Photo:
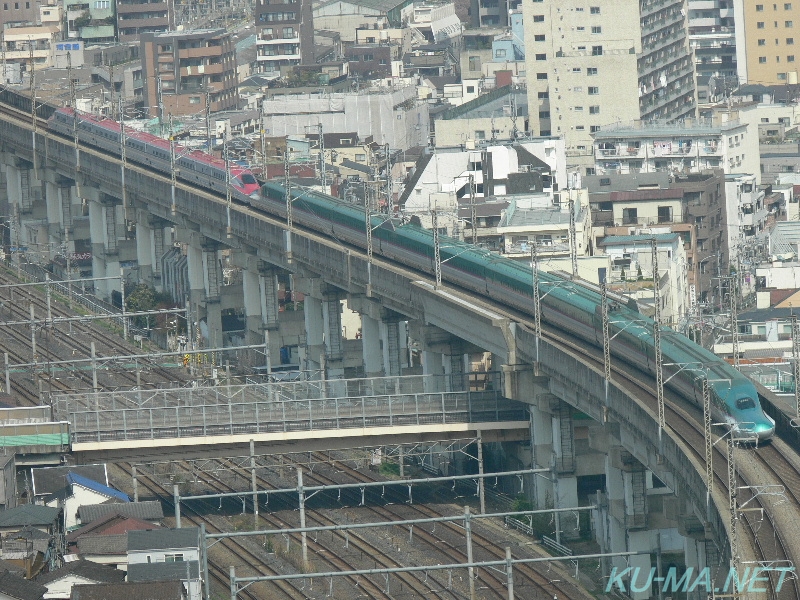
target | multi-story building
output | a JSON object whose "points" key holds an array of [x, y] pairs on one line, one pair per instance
{"points": [[692, 206], [18, 12], [90, 21], [765, 41], [185, 71], [137, 17], [587, 64], [687, 147], [491, 13], [285, 32], [713, 39], [20, 44]]}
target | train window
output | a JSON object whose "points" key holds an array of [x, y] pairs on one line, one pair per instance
{"points": [[745, 403], [247, 178]]}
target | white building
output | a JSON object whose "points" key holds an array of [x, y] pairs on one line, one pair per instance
{"points": [[394, 116], [688, 147], [632, 271], [159, 554], [81, 491]]}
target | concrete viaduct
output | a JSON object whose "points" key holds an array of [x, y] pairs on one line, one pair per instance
{"points": [[654, 498]]}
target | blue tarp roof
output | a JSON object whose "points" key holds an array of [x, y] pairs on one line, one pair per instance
{"points": [[74, 478]]}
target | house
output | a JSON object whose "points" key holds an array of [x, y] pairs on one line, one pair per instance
{"points": [[14, 587], [151, 590], [153, 554], [43, 518], [81, 491], [49, 480], [109, 524], [111, 550], [151, 511], [60, 581]]}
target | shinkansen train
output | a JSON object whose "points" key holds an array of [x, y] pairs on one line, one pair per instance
{"points": [[194, 166], [569, 305]]}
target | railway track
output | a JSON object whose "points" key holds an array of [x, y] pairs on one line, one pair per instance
{"points": [[239, 554], [590, 355]]}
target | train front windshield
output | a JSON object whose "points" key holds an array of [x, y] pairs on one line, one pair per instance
{"points": [[247, 179]]}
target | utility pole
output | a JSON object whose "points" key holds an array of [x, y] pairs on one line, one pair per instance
{"points": [[657, 338], [606, 335], [437, 256], [709, 443], [732, 505], [73, 102], [160, 103], [573, 250], [208, 121], [228, 197], [287, 185], [122, 144], [473, 213], [796, 363], [537, 306], [111, 77], [388, 180], [322, 175], [734, 290], [34, 121], [172, 167], [263, 134]]}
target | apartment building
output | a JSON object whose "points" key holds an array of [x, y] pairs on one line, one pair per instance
{"points": [[712, 36], [137, 17], [687, 147], [765, 41], [18, 12], [586, 65], [285, 30], [90, 21], [182, 71]]}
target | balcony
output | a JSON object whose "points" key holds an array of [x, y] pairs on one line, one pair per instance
{"points": [[203, 52], [269, 38]]}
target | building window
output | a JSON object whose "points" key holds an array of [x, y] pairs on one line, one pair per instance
{"points": [[361, 158], [597, 29], [760, 25], [787, 6], [480, 134], [594, 128], [538, 18], [790, 58], [470, 89], [173, 558], [194, 99], [580, 128], [576, 69], [591, 70], [541, 57], [577, 108], [629, 216], [541, 76], [544, 114], [665, 214], [597, 50], [543, 95], [539, 38], [474, 63], [762, 59], [782, 76], [593, 91], [789, 23], [594, 10], [368, 57], [762, 42], [500, 53], [759, 8], [789, 41], [594, 110]]}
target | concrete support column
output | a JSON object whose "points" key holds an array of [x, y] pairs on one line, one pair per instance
{"points": [[371, 346], [194, 268], [212, 280], [144, 248], [432, 365], [315, 326], [332, 322], [542, 448], [102, 232], [393, 346]]}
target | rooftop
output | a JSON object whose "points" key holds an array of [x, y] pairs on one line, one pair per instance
{"points": [[649, 129], [612, 240], [86, 569], [108, 524], [523, 217], [14, 586], [162, 571], [379, 5], [49, 480], [494, 103], [99, 544], [90, 484], [163, 539], [143, 590], [29, 514], [147, 511]]}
